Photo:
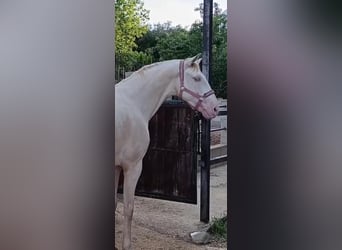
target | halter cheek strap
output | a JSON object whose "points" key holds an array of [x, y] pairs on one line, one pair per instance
{"points": [[199, 98]]}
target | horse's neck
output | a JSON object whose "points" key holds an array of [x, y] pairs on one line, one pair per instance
{"points": [[149, 88]]}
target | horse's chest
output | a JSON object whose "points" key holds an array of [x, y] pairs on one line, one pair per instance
{"points": [[131, 139]]}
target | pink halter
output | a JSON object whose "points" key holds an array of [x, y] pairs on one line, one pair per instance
{"points": [[189, 91]]}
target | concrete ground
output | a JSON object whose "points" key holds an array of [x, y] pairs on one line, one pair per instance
{"points": [[165, 225]]}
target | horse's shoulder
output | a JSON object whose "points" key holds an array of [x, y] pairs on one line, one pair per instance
{"points": [[127, 116]]}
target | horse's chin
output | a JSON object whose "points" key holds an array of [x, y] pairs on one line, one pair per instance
{"points": [[207, 111], [207, 116]]}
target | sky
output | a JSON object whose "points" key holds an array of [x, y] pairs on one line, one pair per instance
{"points": [[177, 11]]}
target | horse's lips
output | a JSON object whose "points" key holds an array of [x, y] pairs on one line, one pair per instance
{"points": [[208, 116]]}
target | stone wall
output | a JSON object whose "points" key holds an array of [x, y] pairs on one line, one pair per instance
{"points": [[215, 138]]}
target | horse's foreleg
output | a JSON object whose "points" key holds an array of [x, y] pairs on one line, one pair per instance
{"points": [[116, 176], [131, 176], [117, 172]]}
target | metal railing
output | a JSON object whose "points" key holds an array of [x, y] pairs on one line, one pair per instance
{"points": [[217, 159]]}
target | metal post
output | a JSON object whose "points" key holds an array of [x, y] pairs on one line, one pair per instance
{"points": [[205, 124]]}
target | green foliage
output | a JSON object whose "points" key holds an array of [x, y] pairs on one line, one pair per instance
{"points": [[219, 47], [165, 42], [219, 68], [130, 24], [138, 44], [217, 10], [195, 36], [218, 228], [175, 44]]}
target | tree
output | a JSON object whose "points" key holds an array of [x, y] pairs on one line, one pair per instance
{"points": [[148, 43], [130, 23], [217, 10], [219, 47], [174, 45], [165, 42]]}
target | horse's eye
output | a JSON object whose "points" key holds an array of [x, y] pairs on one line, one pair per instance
{"points": [[197, 78]]}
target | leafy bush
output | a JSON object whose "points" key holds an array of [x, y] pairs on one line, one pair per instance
{"points": [[218, 227]]}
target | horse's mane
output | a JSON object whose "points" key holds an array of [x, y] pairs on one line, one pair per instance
{"points": [[194, 66], [140, 71], [146, 68]]}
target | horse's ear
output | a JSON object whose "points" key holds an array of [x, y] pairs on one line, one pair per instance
{"points": [[196, 59]]}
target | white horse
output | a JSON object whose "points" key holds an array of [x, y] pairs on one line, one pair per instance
{"points": [[137, 99]]}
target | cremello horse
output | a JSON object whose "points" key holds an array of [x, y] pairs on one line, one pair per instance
{"points": [[137, 99]]}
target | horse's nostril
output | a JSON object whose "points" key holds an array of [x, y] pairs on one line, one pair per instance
{"points": [[215, 109]]}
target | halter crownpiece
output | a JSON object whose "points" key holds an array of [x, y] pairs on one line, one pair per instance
{"points": [[189, 91]]}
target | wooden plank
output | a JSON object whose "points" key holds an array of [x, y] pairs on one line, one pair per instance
{"points": [[169, 167]]}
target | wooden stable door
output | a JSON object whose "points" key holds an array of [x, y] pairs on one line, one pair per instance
{"points": [[170, 165]]}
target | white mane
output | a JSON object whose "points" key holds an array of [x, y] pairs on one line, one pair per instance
{"points": [[141, 72]]}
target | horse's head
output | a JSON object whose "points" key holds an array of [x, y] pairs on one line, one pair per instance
{"points": [[195, 89]]}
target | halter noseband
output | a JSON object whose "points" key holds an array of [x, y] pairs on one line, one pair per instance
{"points": [[189, 91]]}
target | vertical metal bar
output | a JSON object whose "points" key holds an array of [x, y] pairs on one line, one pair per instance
{"points": [[205, 124]]}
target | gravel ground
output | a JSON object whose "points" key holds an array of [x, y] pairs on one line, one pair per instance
{"points": [[165, 225]]}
